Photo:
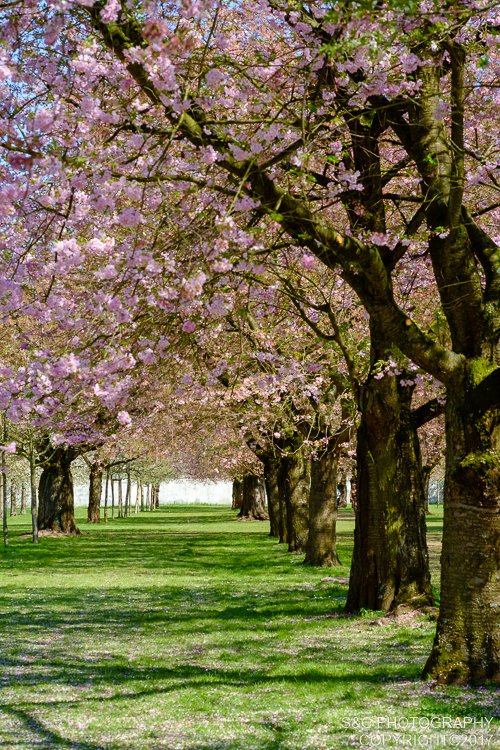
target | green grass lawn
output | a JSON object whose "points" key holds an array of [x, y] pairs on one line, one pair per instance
{"points": [[182, 628]]}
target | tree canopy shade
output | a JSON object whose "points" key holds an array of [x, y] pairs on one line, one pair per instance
{"points": [[361, 135]]}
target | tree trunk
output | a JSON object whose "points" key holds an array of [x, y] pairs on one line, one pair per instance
{"points": [[157, 496], [321, 549], [127, 496], [142, 498], [23, 500], [112, 499], [237, 494], [106, 497], [284, 502], [297, 484], [254, 499], [120, 499], [342, 488], [467, 642], [271, 469], [56, 503], [137, 497], [95, 492], [426, 478], [3, 501], [354, 494], [34, 524], [390, 562], [13, 498]]}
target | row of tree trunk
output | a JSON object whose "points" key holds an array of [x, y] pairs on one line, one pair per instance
{"points": [[390, 564], [56, 509], [13, 499]]}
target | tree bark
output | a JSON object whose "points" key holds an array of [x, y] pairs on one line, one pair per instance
{"points": [[271, 469], [237, 494], [34, 524], [284, 502], [297, 483], [128, 491], [467, 642], [56, 509], [137, 497], [120, 499], [321, 549], [342, 488], [3, 502], [142, 498], [112, 498], [95, 492], [106, 497], [23, 499], [254, 499], [13, 498], [426, 478], [390, 562]]}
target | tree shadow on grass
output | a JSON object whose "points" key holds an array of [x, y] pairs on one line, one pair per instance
{"points": [[44, 737]]}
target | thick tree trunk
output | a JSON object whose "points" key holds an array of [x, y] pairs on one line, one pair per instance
{"points": [[467, 642], [390, 562], [157, 496], [23, 500], [13, 499], [56, 504], [297, 483], [237, 494], [254, 499], [142, 498], [321, 549], [283, 491], [95, 492], [271, 469], [137, 497]]}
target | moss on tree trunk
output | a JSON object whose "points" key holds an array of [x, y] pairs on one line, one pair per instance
{"points": [[296, 496], [390, 562], [321, 549], [271, 469], [467, 642]]}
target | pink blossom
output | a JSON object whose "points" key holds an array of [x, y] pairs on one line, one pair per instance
{"points": [[124, 418], [108, 272], [109, 14], [129, 217], [214, 77], [189, 326], [277, 435], [148, 357], [308, 261], [9, 448], [209, 155]]}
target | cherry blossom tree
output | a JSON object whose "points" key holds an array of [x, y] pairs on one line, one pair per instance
{"points": [[325, 124]]}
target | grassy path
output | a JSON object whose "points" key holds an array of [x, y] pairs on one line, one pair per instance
{"points": [[184, 629]]}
